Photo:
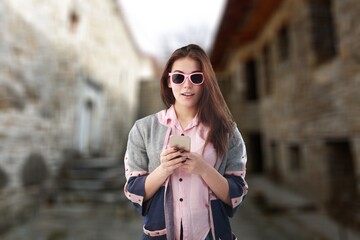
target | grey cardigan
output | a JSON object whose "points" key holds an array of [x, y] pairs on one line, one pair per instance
{"points": [[145, 143]]}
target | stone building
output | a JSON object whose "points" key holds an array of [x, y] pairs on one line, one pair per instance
{"points": [[290, 70], [69, 74]]}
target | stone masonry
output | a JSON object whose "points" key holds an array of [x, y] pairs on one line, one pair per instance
{"points": [[69, 71], [294, 92]]}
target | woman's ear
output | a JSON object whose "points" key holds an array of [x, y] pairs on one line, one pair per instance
{"points": [[169, 83]]}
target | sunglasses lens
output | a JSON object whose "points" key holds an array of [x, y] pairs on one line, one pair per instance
{"points": [[197, 78], [178, 78]]}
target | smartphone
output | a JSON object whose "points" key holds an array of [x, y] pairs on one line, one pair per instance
{"points": [[182, 142]]}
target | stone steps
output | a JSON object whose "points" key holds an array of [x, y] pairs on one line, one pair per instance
{"points": [[93, 180]]}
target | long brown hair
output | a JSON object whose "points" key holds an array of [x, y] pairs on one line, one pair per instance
{"points": [[212, 109]]}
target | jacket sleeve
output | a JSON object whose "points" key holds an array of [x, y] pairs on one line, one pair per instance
{"points": [[136, 168], [235, 171]]}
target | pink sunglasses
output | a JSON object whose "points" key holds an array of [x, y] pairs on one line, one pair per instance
{"points": [[179, 78]]}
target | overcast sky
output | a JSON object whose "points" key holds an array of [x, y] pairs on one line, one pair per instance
{"points": [[161, 25]]}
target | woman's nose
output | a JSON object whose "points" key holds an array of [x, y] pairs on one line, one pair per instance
{"points": [[187, 81]]}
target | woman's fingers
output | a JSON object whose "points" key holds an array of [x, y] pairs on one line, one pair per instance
{"points": [[170, 154], [174, 163], [170, 165], [167, 151]]}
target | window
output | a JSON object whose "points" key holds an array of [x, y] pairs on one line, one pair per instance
{"points": [[275, 173], [283, 43], [323, 31], [251, 80], [294, 158], [74, 21], [255, 152], [267, 69]]}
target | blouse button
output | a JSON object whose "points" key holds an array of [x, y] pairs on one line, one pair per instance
{"points": [[180, 179], [181, 199]]}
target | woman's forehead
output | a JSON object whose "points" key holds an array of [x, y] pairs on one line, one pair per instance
{"points": [[185, 65]]}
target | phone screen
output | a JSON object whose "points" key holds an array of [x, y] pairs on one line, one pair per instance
{"points": [[182, 142]]}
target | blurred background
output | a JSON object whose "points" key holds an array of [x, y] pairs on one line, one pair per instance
{"points": [[75, 75]]}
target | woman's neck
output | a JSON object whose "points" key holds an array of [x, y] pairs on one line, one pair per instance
{"points": [[185, 115]]}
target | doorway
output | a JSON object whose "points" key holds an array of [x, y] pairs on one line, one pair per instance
{"points": [[343, 201], [255, 152]]}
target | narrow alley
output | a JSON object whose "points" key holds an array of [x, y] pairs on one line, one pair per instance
{"points": [[74, 78], [292, 217]]}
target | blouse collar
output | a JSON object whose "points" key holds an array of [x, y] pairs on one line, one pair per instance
{"points": [[171, 119]]}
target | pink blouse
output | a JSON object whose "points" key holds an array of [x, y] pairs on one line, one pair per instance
{"points": [[190, 193]]}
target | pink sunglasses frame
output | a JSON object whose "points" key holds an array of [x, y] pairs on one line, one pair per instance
{"points": [[188, 76]]}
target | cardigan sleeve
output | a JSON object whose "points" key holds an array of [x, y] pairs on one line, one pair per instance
{"points": [[235, 171], [136, 168]]}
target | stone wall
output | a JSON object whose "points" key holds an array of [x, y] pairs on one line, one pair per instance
{"points": [[69, 74], [149, 98], [307, 109]]}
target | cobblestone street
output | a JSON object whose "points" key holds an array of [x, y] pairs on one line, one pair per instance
{"points": [[110, 222], [86, 222], [78, 222]]}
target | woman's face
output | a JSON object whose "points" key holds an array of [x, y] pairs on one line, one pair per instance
{"points": [[186, 94]]}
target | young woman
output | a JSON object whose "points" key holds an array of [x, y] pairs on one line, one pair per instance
{"points": [[187, 194]]}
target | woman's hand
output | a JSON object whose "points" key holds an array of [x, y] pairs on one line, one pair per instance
{"points": [[170, 159], [194, 163]]}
